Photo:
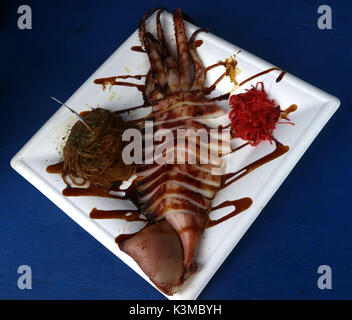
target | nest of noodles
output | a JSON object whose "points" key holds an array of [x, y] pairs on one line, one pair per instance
{"points": [[96, 156]]}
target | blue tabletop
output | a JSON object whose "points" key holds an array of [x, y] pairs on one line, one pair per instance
{"points": [[307, 223]]}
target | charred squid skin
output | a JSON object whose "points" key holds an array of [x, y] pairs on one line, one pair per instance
{"points": [[169, 59], [199, 70], [184, 63]]}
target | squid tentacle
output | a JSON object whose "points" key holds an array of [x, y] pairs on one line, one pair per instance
{"points": [[199, 70], [161, 36], [149, 87], [184, 62], [169, 59], [142, 29], [156, 62]]}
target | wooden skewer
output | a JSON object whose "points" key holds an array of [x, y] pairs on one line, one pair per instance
{"points": [[74, 112]]}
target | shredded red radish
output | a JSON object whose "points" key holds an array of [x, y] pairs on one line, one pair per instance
{"points": [[254, 115]]}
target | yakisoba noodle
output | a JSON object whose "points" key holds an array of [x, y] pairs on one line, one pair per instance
{"points": [[96, 156]]}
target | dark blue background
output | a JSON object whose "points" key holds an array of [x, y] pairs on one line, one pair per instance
{"points": [[306, 224]]}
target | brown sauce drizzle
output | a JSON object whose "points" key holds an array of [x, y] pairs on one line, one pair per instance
{"points": [[127, 76], [55, 168], [290, 109], [128, 215], [84, 113], [112, 81], [210, 89], [198, 43], [227, 95], [131, 109], [229, 65], [138, 49], [280, 77], [91, 191], [264, 72], [279, 151], [240, 206], [220, 63], [240, 147], [222, 97]]}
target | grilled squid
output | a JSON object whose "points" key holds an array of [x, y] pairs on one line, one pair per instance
{"points": [[175, 197]]}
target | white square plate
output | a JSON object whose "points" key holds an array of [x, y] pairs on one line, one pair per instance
{"points": [[315, 107]]}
